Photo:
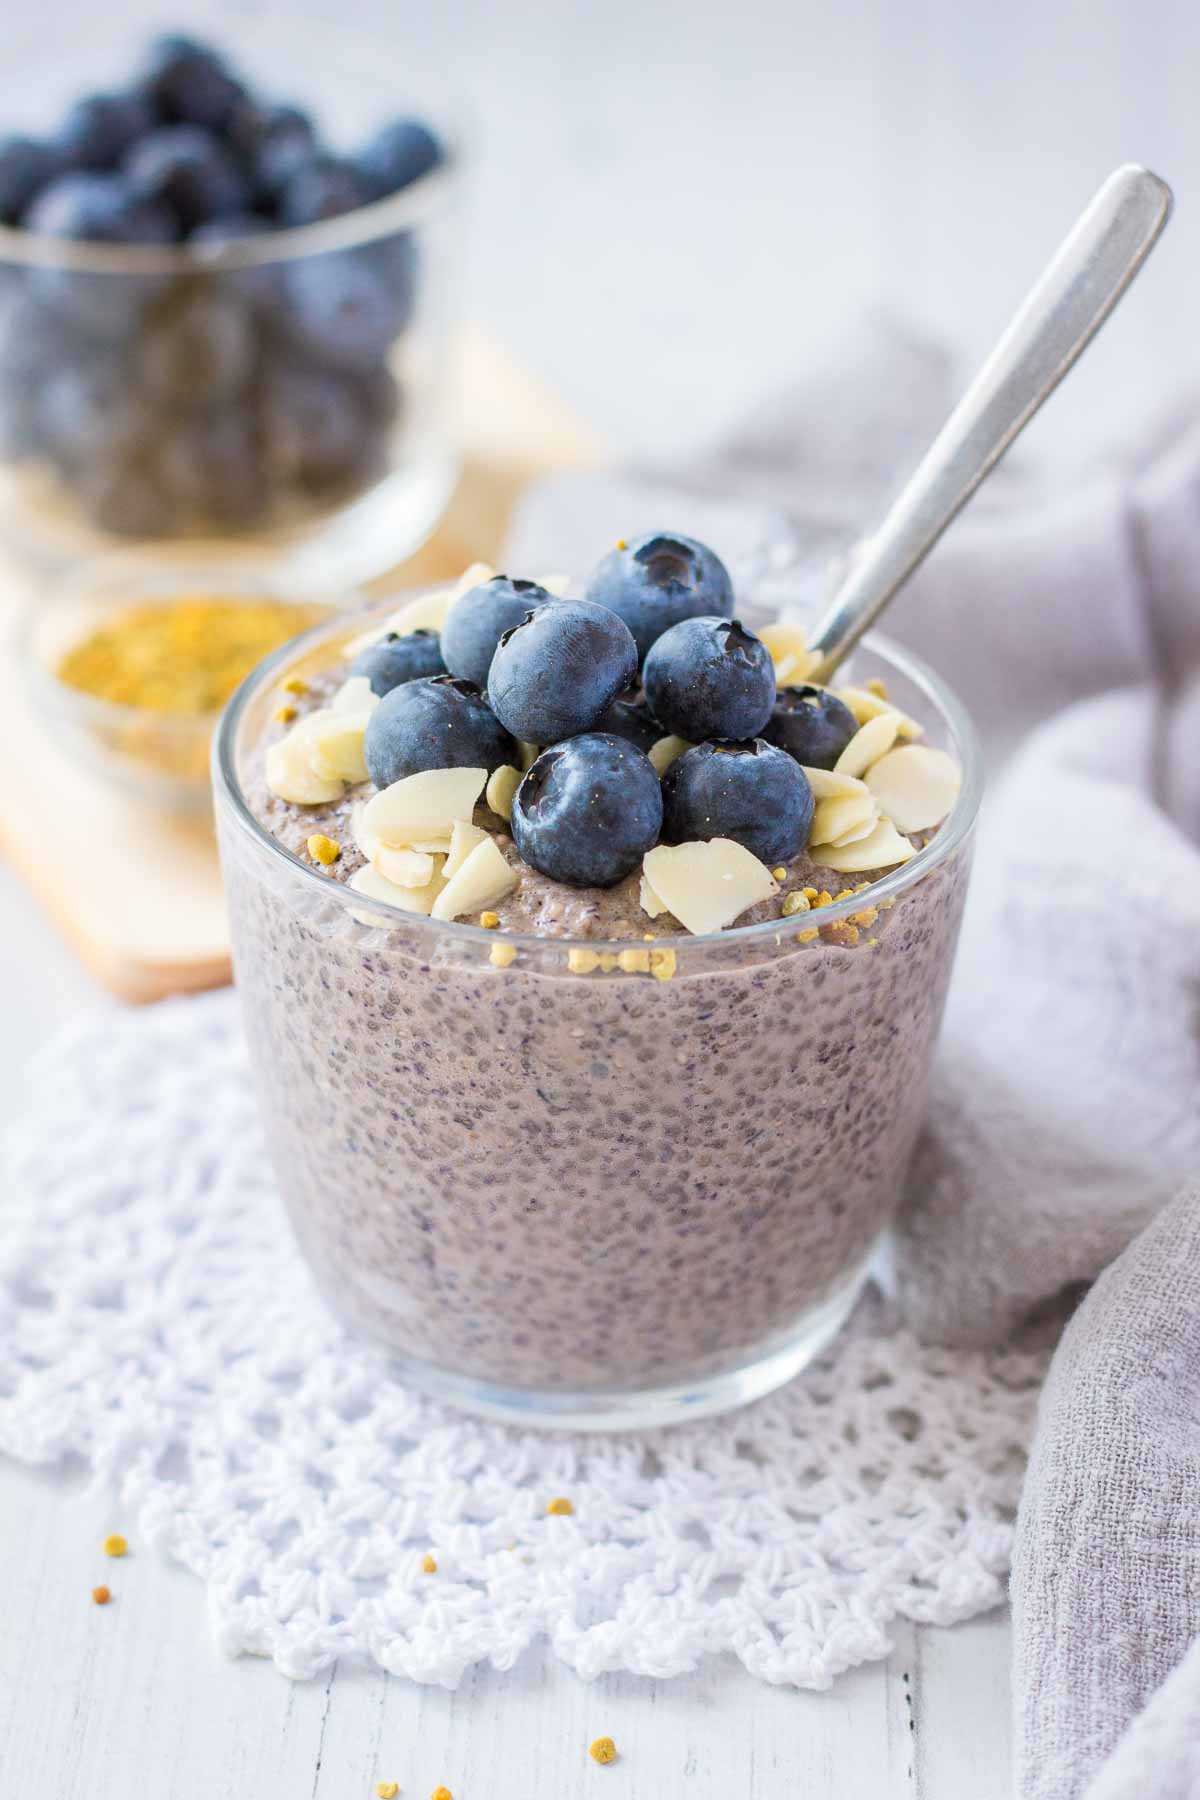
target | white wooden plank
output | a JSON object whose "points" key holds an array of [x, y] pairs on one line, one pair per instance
{"points": [[964, 1710]]}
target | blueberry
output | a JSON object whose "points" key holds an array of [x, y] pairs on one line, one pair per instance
{"points": [[124, 495], [435, 723], [275, 142], [588, 810], [397, 659], [258, 283], [83, 413], [752, 792], [186, 82], [553, 675], [25, 166], [811, 724], [630, 718], [317, 427], [101, 209], [337, 308], [201, 354], [187, 169], [212, 471], [98, 130], [710, 678], [322, 187], [658, 580], [399, 154], [478, 621]]}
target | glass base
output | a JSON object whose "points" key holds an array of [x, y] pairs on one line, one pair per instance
{"points": [[641, 1409]]}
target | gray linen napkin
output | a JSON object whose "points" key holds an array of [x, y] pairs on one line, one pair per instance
{"points": [[1064, 1107]]}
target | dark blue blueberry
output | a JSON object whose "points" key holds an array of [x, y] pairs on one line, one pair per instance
{"points": [[399, 154], [477, 622], [98, 130], [317, 429], [438, 723], [275, 143], [322, 187], [710, 678], [187, 82], [212, 472], [630, 718], [338, 309], [658, 580], [395, 660], [101, 209], [125, 495], [187, 169], [588, 810], [25, 166], [753, 793], [554, 674], [83, 411], [200, 354], [258, 283], [811, 724]]}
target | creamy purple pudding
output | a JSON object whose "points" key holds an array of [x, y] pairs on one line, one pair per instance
{"points": [[608, 1149]]}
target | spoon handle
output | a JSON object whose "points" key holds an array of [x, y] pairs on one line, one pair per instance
{"points": [[1067, 306]]}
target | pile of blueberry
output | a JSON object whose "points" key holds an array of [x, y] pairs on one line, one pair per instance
{"points": [[652, 651], [168, 403]]}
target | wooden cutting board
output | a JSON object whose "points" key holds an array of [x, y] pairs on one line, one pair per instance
{"points": [[137, 893]]}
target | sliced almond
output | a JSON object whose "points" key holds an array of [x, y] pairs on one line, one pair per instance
{"points": [[483, 879], [915, 786], [424, 612], [843, 813], [866, 706], [374, 886], [529, 755], [827, 784], [290, 772], [881, 850], [404, 868], [356, 695], [463, 839], [423, 807], [502, 785], [707, 885], [869, 743], [793, 659], [856, 833], [663, 753], [650, 902], [555, 584], [336, 746]]}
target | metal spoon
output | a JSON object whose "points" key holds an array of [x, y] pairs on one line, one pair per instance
{"points": [[1060, 316]]}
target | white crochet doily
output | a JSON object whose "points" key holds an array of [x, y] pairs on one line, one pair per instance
{"points": [[156, 1320]]}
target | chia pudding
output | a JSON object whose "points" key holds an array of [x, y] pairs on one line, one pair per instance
{"points": [[574, 1162]]}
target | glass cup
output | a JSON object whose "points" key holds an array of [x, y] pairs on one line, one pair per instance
{"points": [[280, 393], [589, 1184]]}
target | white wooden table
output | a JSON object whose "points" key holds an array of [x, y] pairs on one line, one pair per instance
{"points": [[678, 200]]}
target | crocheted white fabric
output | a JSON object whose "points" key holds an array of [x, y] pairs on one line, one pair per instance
{"points": [[156, 1320]]}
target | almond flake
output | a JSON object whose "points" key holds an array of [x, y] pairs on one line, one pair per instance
{"points": [[915, 786], [463, 839], [869, 743], [423, 807], [336, 746], [793, 659], [554, 584], [484, 878], [424, 612], [355, 695], [650, 901], [844, 813], [867, 706], [881, 850], [529, 755], [374, 886], [502, 785], [856, 832], [289, 767], [663, 753], [707, 885], [826, 784], [404, 868]]}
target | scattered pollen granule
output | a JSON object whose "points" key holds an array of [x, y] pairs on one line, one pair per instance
{"points": [[387, 1790], [101, 1595], [322, 849], [428, 1564], [602, 1750], [559, 1507], [441, 1793], [115, 1545]]}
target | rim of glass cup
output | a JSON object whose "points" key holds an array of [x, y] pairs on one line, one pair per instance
{"points": [[422, 200], [951, 835]]}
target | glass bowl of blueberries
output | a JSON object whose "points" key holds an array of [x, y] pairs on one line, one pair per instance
{"points": [[227, 275]]}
